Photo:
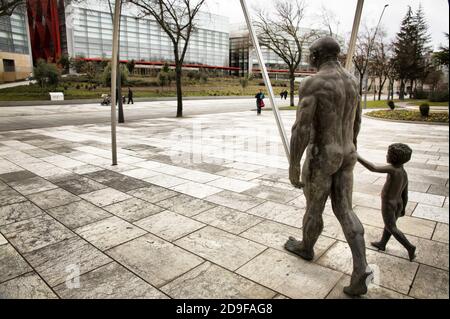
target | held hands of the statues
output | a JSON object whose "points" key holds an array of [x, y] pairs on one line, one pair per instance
{"points": [[294, 176]]}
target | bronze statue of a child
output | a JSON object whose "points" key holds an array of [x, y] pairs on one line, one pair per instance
{"points": [[394, 196]]}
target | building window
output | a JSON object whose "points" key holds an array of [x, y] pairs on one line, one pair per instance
{"points": [[9, 65]]}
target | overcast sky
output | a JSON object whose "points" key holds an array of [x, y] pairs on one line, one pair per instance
{"points": [[436, 12]]}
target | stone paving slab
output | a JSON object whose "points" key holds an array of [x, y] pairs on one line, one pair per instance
{"points": [[78, 214], [109, 232], [374, 292], [53, 262], [35, 233], [441, 234], [228, 219], [185, 205], [17, 212], [111, 281], [53, 198], [169, 225], [209, 281], [27, 286], [422, 287], [11, 263], [220, 247], [212, 226], [9, 196], [289, 275], [105, 197], [155, 260], [394, 273], [133, 209]]}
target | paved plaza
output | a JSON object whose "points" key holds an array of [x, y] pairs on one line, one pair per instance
{"points": [[200, 207]]}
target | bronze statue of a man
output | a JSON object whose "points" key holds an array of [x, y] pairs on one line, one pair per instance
{"points": [[328, 122]]}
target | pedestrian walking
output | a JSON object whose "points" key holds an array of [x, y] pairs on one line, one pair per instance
{"points": [[259, 102], [130, 96]]}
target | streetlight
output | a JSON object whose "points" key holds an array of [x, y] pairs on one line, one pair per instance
{"points": [[369, 50]]}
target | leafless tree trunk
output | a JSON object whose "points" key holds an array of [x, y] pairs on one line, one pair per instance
{"points": [[381, 64], [7, 7], [177, 19], [329, 21], [280, 32], [363, 54]]}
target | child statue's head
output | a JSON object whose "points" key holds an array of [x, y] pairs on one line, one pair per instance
{"points": [[399, 154]]}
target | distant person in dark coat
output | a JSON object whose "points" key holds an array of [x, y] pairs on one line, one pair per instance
{"points": [[259, 102], [130, 96]]}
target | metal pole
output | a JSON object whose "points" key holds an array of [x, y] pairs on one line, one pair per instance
{"points": [[352, 44], [262, 64], [114, 64]]}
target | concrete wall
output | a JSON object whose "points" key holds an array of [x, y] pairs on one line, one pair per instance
{"points": [[22, 64]]}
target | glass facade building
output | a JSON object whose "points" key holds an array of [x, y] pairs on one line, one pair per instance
{"points": [[15, 51], [14, 33], [89, 34], [243, 56]]}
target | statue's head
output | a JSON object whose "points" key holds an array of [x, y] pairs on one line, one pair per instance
{"points": [[399, 154], [323, 50]]}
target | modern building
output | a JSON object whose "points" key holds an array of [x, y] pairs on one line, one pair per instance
{"points": [[15, 53], [243, 55], [84, 29]]}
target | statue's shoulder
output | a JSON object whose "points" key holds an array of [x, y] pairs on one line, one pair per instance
{"points": [[310, 82], [349, 74]]}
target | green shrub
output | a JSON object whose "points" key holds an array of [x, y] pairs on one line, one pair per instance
{"points": [[425, 109], [192, 75], [164, 78], [244, 82], [440, 96], [203, 77], [421, 95], [46, 74], [107, 75], [78, 63], [64, 61], [391, 105]]}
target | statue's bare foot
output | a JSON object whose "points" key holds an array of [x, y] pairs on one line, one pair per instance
{"points": [[358, 285], [412, 253], [379, 245], [296, 247]]}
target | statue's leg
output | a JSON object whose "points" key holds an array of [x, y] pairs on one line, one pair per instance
{"points": [[317, 190], [341, 199], [381, 245], [390, 221]]}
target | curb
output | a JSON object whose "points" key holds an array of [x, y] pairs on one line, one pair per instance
{"points": [[97, 101]]}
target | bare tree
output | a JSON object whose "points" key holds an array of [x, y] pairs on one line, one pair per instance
{"points": [[363, 54], [381, 63], [329, 21], [7, 7], [280, 32], [177, 19]]}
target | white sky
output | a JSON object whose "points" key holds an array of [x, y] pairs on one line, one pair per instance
{"points": [[436, 13]]}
